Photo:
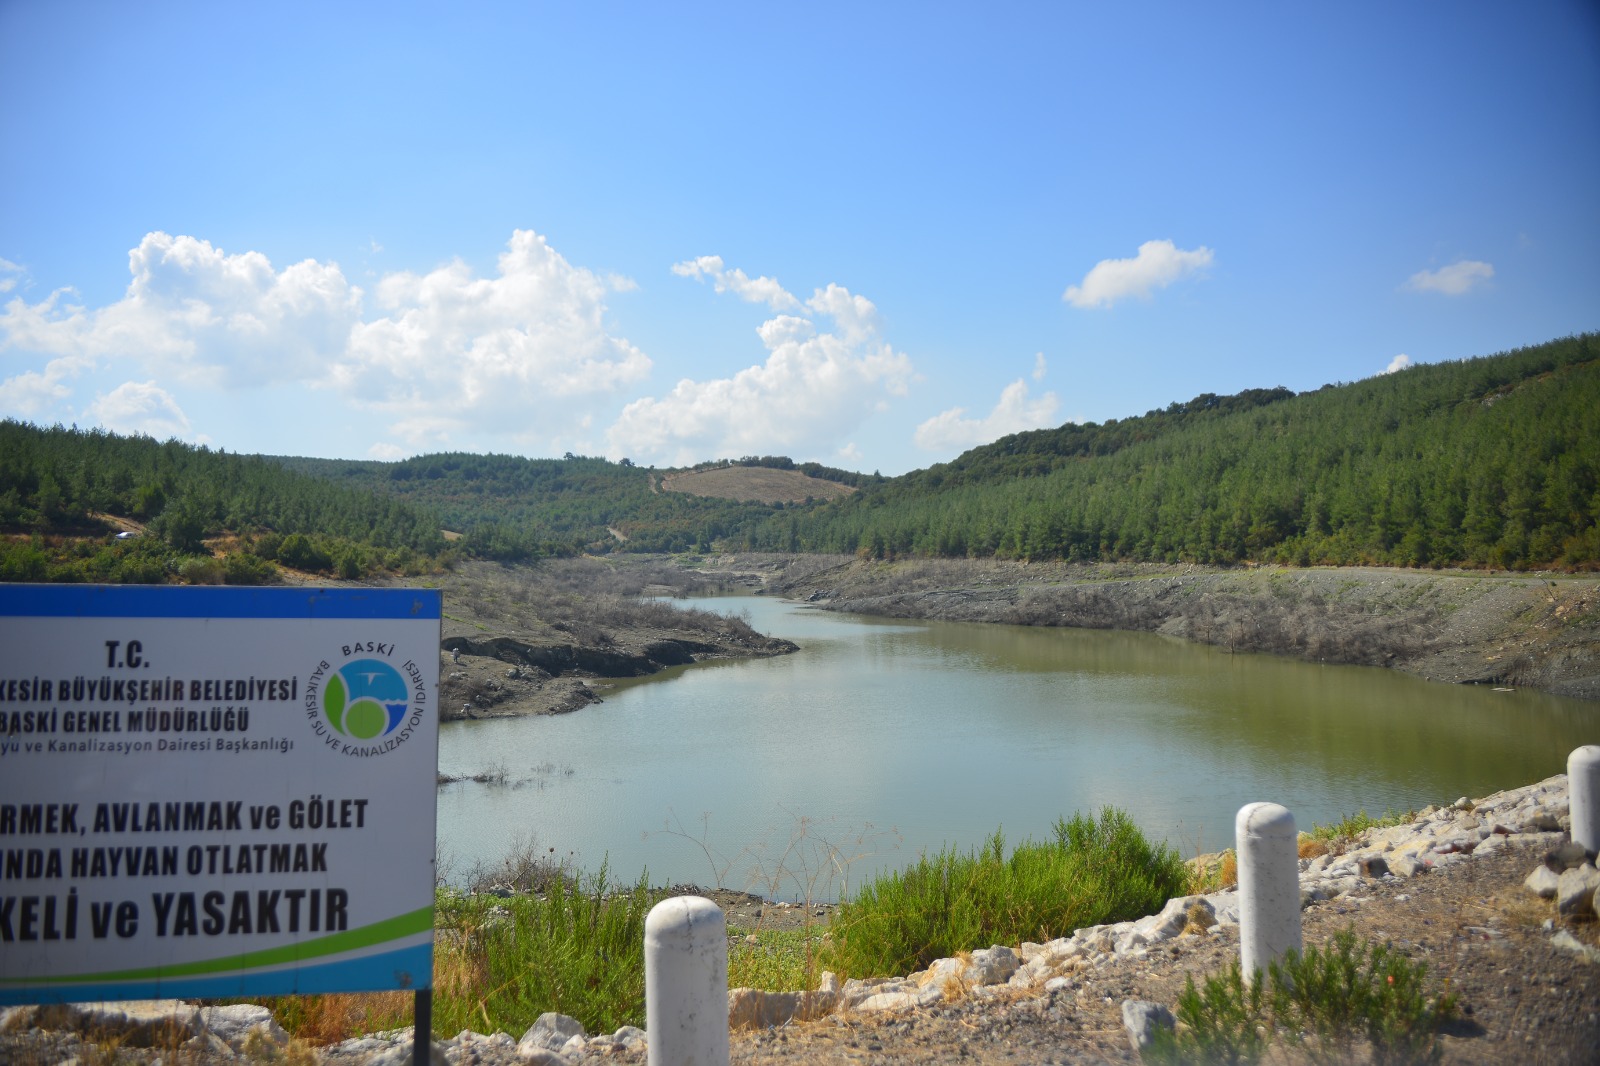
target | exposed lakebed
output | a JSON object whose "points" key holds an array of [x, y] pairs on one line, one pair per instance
{"points": [[881, 738]]}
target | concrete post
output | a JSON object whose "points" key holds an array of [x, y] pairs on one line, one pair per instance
{"points": [[1583, 796], [686, 983], [1269, 886]]}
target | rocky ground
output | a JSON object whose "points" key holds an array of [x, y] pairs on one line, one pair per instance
{"points": [[545, 640], [1457, 890]]}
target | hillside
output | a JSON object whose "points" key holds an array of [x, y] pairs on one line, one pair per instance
{"points": [[757, 483], [513, 508], [1488, 462], [64, 493]]}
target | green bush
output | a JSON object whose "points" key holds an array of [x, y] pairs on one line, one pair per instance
{"points": [[1096, 871], [578, 951], [1325, 1001], [246, 568]]}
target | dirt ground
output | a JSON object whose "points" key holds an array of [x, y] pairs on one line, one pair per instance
{"points": [[1481, 933], [1478, 930], [520, 640]]}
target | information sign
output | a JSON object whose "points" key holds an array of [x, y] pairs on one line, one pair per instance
{"points": [[211, 792]]}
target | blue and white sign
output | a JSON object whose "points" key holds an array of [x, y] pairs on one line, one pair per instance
{"points": [[211, 792]]}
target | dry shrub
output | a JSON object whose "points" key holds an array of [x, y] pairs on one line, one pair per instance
{"points": [[1228, 870], [1310, 847], [461, 970], [1212, 873], [335, 1016]]}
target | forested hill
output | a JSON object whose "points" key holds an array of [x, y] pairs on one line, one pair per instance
{"points": [[64, 492], [511, 507], [1492, 461]]}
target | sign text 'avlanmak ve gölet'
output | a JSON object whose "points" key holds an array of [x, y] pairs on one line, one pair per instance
{"points": [[211, 792]]}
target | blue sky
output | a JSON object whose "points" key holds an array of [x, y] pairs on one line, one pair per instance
{"points": [[871, 235]]}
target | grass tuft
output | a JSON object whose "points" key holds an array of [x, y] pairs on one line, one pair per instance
{"points": [[1327, 1002], [1096, 871]]}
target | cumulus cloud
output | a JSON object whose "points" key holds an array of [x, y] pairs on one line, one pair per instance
{"points": [[1158, 264], [208, 317], [1014, 413], [33, 393], [815, 385], [1399, 362], [140, 407], [443, 354], [1459, 277], [455, 351], [762, 290]]}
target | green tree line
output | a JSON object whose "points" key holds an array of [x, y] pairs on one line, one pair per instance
{"points": [[511, 507], [54, 482], [1491, 462]]}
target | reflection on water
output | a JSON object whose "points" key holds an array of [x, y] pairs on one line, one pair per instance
{"points": [[882, 738]]}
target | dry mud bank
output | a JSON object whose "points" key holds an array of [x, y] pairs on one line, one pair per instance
{"points": [[522, 640], [1529, 630]]}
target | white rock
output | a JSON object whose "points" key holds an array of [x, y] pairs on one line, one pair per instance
{"points": [[1575, 891], [926, 996], [538, 1056], [400, 1053], [1407, 866], [16, 1018], [234, 1025], [135, 1022], [1567, 942], [550, 1032], [1141, 1019]]}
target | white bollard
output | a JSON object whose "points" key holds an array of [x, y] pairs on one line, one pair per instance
{"points": [[1583, 795], [686, 983], [1269, 886]]}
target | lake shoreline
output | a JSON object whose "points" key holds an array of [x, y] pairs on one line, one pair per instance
{"points": [[1539, 631]]}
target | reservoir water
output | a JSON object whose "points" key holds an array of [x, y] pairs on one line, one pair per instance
{"points": [[881, 739]]}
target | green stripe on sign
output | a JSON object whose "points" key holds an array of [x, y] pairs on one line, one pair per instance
{"points": [[418, 921]]}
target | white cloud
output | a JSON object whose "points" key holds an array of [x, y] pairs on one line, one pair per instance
{"points": [[448, 354], [1399, 362], [32, 394], [458, 352], [1158, 264], [1039, 367], [140, 407], [1014, 413], [206, 316], [10, 274], [386, 452], [1452, 280], [762, 290], [814, 387]]}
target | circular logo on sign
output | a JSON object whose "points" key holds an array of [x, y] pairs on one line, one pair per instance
{"points": [[365, 699]]}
